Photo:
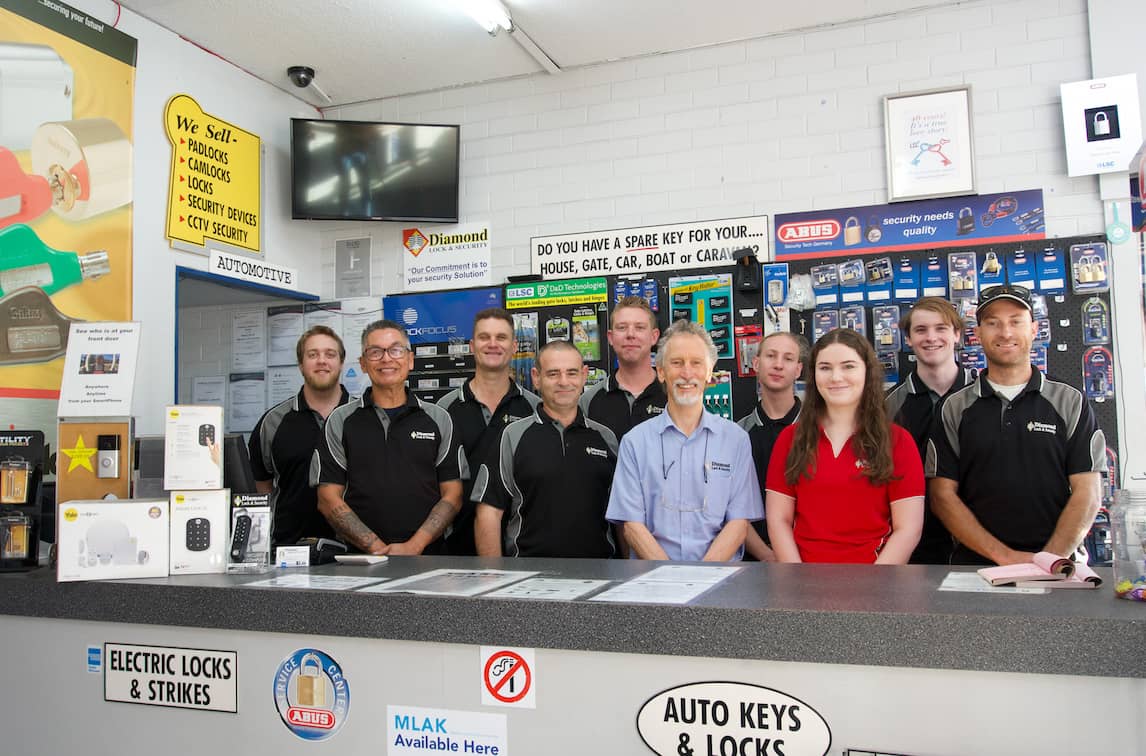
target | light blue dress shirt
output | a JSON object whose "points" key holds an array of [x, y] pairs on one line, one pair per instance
{"points": [[685, 489]]}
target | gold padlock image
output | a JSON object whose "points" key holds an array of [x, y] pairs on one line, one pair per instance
{"points": [[991, 264], [311, 687], [851, 231], [1101, 124], [1097, 268]]}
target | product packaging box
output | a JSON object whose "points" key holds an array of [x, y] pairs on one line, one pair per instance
{"points": [[199, 525], [193, 448], [249, 545], [112, 539]]}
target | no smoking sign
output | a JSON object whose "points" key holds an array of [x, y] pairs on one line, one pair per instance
{"points": [[508, 677]]}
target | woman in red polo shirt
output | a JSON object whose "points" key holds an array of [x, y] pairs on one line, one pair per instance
{"points": [[844, 484]]}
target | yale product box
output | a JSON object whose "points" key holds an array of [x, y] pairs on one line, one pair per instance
{"points": [[111, 539], [199, 524], [193, 448]]}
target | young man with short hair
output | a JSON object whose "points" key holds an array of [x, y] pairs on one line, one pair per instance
{"points": [[932, 328], [482, 408], [778, 364], [285, 437], [632, 394]]}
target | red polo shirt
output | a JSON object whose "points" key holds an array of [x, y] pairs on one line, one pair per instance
{"points": [[840, 515]]}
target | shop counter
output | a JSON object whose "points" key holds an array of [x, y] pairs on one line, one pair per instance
{"points": [[885, 660]]}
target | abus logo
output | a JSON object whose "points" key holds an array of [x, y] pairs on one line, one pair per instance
{"points": [[317, 718], [809, 230]]}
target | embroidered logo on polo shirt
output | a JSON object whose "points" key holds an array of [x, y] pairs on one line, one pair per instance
{"points": [[1032, 426], [652, 409], [422, 436], [861, 464], [594, 452], [510, 418], [720, 466]]}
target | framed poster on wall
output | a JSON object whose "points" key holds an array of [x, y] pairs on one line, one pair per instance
{"points": [[930, 145]]}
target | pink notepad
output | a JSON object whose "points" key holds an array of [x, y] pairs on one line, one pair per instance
{"points": [[1046, 567], [1083, 577]]}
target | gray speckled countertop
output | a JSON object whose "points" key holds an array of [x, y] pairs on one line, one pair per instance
{"points": [[833, 614]]}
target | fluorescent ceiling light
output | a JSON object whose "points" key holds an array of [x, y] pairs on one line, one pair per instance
{"points": [[491, 15]]}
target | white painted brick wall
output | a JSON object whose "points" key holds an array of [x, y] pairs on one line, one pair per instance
{"points": [[769, 125]]}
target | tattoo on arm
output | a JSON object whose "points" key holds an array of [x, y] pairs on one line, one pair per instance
{"points": [[439, 519], [347, 525]]}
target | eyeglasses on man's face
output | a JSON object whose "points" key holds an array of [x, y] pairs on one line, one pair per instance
{"points": [[395, 352]]}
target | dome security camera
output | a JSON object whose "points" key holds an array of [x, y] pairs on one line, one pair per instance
{"points": [[301, 76]]}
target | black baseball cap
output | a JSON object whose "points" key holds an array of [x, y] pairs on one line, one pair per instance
{"points": [[1012, 292]]}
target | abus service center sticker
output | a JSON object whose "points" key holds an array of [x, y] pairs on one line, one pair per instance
{"points": [[731, 719], [311, 694]]}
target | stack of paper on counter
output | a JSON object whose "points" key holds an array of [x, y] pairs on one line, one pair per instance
{"points": [[1043, 569]]}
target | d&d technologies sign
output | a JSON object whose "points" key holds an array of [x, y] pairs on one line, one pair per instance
{"points": [[731, 719]]}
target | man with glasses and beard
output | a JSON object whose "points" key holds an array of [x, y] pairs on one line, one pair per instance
{"points": [[390, 466], [685, 486], [283, 441]]}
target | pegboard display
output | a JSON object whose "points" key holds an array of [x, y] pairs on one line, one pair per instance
{"points": [[1068, 277]]}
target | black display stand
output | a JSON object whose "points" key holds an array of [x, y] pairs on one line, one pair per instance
{"points": [[21, 477]]}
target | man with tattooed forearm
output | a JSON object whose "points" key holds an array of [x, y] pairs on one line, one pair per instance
{"points": [[389, 470]]}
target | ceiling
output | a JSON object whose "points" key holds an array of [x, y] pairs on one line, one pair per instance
{"points": [[371, 49]]}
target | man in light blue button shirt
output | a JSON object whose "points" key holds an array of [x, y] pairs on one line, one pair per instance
{"points": [[685, 486]]}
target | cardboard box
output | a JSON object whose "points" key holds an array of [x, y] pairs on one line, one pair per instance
{"points": [[109, 539], [193, 448], [199, 524]]}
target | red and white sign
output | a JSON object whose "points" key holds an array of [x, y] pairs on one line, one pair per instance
{"points": [[508, 677]]}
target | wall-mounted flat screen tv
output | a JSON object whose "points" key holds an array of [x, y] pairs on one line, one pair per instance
{"points": [[359, 170]]}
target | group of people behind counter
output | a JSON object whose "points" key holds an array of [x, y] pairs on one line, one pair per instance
{"points": [[946, 468]]}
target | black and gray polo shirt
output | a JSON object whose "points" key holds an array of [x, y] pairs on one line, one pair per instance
{"points": [[1012, 459], [479, 431], [618, 410], [390, 466], [763, 432], [554, 484], [915, 406], [281, 447]]}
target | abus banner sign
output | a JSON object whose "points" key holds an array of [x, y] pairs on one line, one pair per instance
{"points": [[731, 719], [679, 246]]}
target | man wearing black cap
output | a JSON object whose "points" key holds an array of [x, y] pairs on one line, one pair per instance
{"points": [[1014, 458]]}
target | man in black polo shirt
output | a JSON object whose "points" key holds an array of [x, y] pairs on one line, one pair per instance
{"points": [[552, 473], [932, 328], [778, 364], [390, 465], [1014, 460], [632, 394], [482, 408], [285, 438]]}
